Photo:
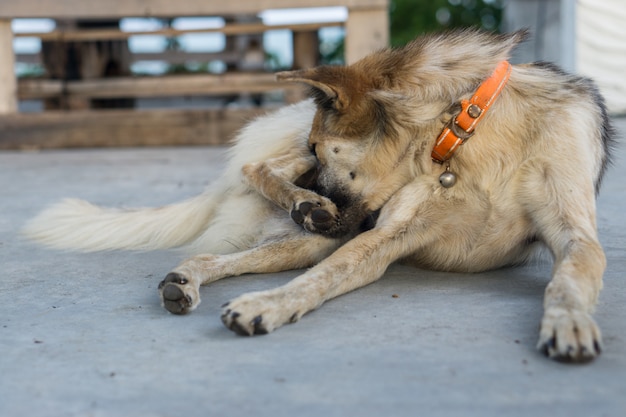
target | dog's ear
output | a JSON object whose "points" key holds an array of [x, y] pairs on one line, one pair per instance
{"points": [[325, 83]]}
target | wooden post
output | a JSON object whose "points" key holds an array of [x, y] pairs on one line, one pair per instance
{"points": [[306, 50], [306, 54], [70, 61], [367, 30], [8, 82]]}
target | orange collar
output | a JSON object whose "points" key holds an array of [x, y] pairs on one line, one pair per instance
{"points": [[461, 127]]}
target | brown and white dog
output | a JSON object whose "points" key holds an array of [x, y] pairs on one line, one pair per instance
{"points": [[362, 176]]}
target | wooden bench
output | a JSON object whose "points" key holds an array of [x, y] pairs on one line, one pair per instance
{"points": [[366, 30]]}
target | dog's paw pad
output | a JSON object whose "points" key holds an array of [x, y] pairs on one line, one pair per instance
{"points": [[175, 294], [315, 216], [569, 336], [297, 216], [305, 208], [321, 216]]}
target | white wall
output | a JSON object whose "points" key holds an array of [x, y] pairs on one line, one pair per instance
{"points": [[583, 36], [601, 48]]}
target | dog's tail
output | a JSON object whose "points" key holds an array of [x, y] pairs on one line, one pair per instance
{"points": [[78, 225]]}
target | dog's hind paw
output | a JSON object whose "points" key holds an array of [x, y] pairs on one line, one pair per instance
{"points": [[569, 336], [178, 296], [316, 216], [256, 313]]}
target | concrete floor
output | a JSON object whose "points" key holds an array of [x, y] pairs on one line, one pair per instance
{"points": [[84, 335]]}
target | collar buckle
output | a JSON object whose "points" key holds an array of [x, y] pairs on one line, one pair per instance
{"points": [[458, 131]]}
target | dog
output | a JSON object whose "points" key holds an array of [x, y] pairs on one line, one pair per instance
{"points": [[355, 178]]}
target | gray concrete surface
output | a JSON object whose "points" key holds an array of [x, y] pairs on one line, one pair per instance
{"points": [[84, 335]]}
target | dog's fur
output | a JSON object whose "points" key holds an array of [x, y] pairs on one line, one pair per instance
{"points": [[353, 168]]}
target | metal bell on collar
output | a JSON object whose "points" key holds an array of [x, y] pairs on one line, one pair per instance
{"points": [[447, 179]]}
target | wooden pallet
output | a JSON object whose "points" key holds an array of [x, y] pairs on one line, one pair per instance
{"points": [[366, 28]]}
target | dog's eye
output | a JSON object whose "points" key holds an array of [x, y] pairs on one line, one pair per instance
{"points": [[352, 175], [312, 149]]}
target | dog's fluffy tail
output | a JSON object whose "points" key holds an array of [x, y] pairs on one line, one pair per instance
{"points": [[78, 225]]}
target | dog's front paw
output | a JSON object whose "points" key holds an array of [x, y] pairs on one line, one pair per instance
{"points": [[569, 336], [178, 295], [318, 216], [256, 313]]}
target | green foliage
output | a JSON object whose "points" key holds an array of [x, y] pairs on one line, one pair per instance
{"points": [[332, 51], [410, 18], [30, 70]]}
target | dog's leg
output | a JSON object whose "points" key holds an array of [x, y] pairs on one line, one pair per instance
{"points": [[275, 178], [564, 213], [179, 291], [400, 230], [568, 332]]}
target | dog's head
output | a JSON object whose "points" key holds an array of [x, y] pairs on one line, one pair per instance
{"points": [[376, 118], [360, 143]]}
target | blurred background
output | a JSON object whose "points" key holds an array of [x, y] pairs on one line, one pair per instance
{"points": [[408, 19], [72, 64]]}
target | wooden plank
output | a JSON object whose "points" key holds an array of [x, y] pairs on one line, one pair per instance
{"points": [[34, 88], [28, 58], [122, 128], [367, 30], [171, 56], [173, 85], [116, 34], [162, 8], [181, 57], [8, 83]]}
